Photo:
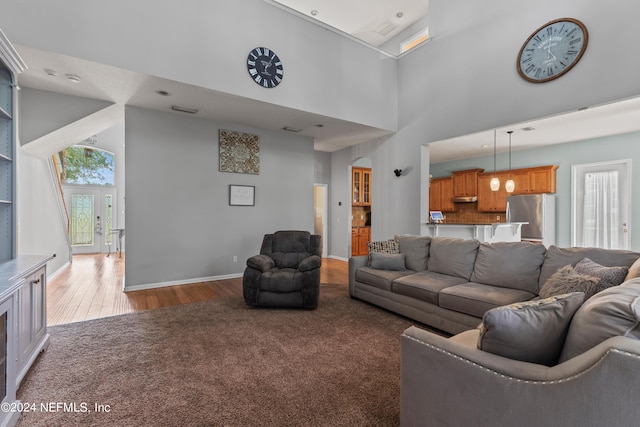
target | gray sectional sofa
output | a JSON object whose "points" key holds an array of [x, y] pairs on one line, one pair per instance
{"points": [[449, 283], [518, 356]]}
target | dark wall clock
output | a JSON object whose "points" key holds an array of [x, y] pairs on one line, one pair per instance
{"points": [[265, 68], [552, 50]]}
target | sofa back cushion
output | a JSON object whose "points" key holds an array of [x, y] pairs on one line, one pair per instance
{"points": [[452, 256], [415, 249], [513, 265], [556, 258], [612, 312]]}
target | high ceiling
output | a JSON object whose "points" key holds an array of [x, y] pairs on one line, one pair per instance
{"points": [[121, 86]]}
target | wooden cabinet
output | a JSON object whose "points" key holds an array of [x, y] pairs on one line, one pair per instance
{"points": [[465, 183], [361, 191], [440, 195], [360, 238], [536, 180], [492, 201]]}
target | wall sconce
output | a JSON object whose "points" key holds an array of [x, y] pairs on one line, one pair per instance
{"points": [[398, 172]]}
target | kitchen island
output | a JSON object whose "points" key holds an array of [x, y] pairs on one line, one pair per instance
{"points": [[496, 232]]}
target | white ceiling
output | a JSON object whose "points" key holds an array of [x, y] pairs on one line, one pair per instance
{"points": [[125, 87]]}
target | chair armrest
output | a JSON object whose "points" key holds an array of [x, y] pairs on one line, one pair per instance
{"points": [[261, 262], [450, 383], [310, 263]]}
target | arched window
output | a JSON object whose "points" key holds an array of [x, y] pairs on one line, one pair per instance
{"points": [[86, 165]]}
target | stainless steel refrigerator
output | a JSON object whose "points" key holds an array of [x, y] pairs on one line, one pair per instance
{"points": [[539, 210]]}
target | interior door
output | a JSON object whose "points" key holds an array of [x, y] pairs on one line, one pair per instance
{"points": [[91, 214]]}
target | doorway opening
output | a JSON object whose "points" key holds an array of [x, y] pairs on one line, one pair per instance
{"points": [[321, 215], [600, 195]]}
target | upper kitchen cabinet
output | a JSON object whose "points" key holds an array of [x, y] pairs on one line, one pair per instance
{"points": [[441, 195], [361, 191], [465, 183], [535, 180]]}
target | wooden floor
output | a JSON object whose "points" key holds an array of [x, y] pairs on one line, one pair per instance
{"points": [[91, 287]]}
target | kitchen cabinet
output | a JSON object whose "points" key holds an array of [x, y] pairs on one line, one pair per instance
{"points": [[361, 191], [360, 238], [541, 179], [492, 201], [441, 194], [465, 183]]}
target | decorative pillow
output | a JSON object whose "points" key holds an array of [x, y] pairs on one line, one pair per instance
{"points": [[634, 270], [383, 247], [416, 249], [567, 280], [609, 276], [393, 262], [612, 312], [531, 331]]}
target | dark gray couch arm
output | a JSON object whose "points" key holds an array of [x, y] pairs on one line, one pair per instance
{"points": [[261, 263], [446, 383], [310, 263]]}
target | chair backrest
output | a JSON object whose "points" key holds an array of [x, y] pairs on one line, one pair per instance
{"points": [[287, 248]]}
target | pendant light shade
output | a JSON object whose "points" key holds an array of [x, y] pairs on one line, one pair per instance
{"points": [[495, 182], [510, 185]]}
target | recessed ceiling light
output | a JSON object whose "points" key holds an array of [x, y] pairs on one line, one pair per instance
{"points": [[163, 93], [528, 128], [319, 126], [399, 14], [484, 146], [51, 72], [314, 12], [73, 78]]}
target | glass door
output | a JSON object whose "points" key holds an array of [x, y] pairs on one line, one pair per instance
{"points": [[91, 213]]}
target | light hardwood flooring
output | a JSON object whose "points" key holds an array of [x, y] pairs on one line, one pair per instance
{"points": [[91, 287]]}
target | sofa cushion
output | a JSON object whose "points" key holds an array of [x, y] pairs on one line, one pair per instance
{"points": [[556, 258], [453, 256], [424, 285], [612, 312], [393, 262], [416, 249], [531, 331], [519, 265], [382, 247], [379, 278], [476, 298], [609, 276], [567, 280], [634, 270]]}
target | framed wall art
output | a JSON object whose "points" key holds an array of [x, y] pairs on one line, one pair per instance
{"points": [[242, 195], [239, 152]]}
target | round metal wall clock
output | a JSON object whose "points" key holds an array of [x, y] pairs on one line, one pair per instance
{"points": [[552, 50], [265, 68]]}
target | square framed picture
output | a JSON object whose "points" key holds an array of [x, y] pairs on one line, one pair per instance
{"points": [[242, 195]]}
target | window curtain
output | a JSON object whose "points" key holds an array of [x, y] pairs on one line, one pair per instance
{"points": [[601, 221]]}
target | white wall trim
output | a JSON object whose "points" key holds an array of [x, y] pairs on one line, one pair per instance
{"points": [[10, 56], [180, 282], [339, 258]]}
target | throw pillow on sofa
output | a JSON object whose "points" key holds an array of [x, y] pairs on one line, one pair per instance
{"points": [[530, 331], [390, 262], [612, 312], [609, 276], [382, 247], [567, 280]]}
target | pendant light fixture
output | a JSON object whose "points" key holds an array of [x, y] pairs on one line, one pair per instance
{"points": [[510, 185], [495, 182]]}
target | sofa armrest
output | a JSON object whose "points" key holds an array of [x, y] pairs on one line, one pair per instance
{"points": [[450, 383], [310, 263], [261, 262], [355, 262]]}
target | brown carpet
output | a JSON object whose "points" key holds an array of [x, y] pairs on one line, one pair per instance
{"points": [[221, 363]]}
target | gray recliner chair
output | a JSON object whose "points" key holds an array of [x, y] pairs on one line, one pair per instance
{"points": [[286, 273]]}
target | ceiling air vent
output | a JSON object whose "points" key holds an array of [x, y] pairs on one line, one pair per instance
{"points": [[184, 109], [385, 28]]}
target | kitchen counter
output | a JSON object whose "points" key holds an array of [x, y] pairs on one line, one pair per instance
{"points": [[496, 232]]}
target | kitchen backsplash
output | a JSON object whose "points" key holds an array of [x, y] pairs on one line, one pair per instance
{"points": [[467, 213]]}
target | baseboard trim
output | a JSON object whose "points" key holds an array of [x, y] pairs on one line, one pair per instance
{"points": [[180, 282], [339, 258]]}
